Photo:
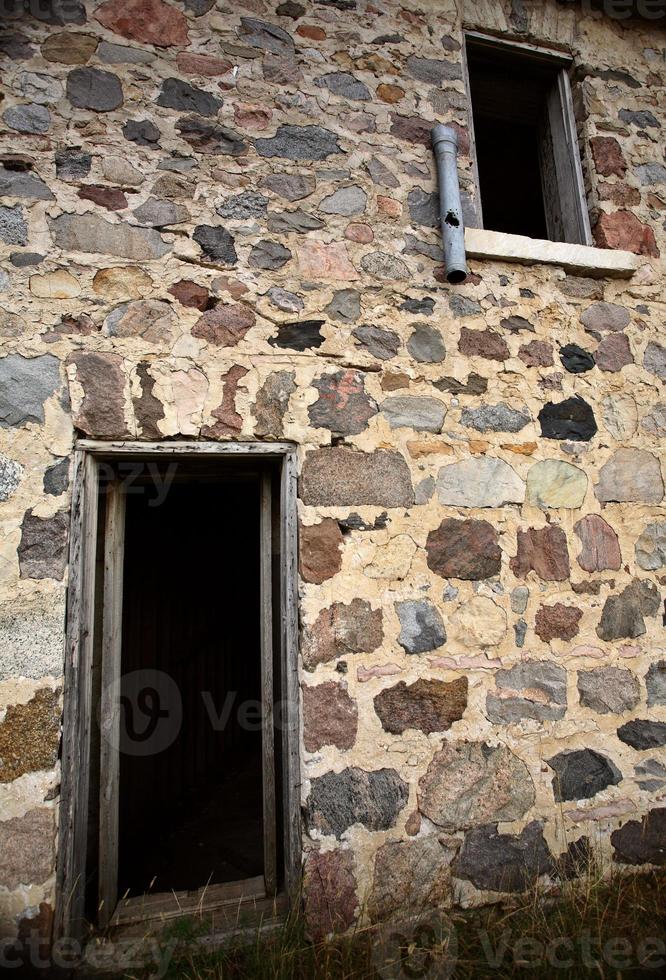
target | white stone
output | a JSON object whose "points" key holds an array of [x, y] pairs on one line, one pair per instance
{"points": [[553, 483], [60, 284], [481, 481]]}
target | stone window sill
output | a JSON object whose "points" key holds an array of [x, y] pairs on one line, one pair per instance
{"points": [[593, 262]]}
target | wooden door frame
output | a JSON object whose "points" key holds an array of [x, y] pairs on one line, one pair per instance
{"points": [[78, 697]]}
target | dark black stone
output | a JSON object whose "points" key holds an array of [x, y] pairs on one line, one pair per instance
{"points": [[642, 841], [177, 94], [16, 46], [340, 800], [571, 419], [388, 39], [290, 9], [92, 88], [23, 259], [576, 860], [268, 255], [516, 323], [642, 118], [300, 335], [575, 360], [424, 307], [475, 385], [143, 132], [643, 734], [56, 478], [216, 242], [503, 862], [198, 7], [356, 523], [267, 37], [210, 138], [608, 74], [581, 774], [72, 163], [299, 143], [57, 12]]}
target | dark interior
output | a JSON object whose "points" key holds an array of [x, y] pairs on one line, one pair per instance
{"points": [[191, 805], [509, 94]]}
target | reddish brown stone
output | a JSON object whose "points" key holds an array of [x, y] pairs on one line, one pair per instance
{"points": [[620, 194], [483, 343], [225, 325], [613, 353], [544, 551], [35, 932], [252, 116], [81, 325], [189, 293], [557, 622], [340, 630], [148, 410], [29, 736], [229, 422], [623, 230], [465, 549], [600, 546], [607, 156], [311, 31], [320, 550], [358, 232], [537, 353], [202, 64], [111, 198], [102, 411], [413, 129], [330, 717], [147, 21], [390, 93], [463, 138], [427, 705], [389, 206], [329, 888]]}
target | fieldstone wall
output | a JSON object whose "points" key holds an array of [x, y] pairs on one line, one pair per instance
{"points": [[219, 222]]}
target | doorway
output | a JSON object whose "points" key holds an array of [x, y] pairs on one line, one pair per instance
{"points": [[191, 785]]}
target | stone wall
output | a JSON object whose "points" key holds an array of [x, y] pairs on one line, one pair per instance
{"points": [[218, 222]]}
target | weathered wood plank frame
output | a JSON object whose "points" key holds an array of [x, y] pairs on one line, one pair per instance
{"points": [[77, 717]]}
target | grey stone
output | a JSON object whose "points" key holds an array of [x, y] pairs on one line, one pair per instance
{"points": [[519, 599], [92, 234], [423, 207], [42, 550], [17, 183], [468, 783], [120, 54], [481, 481], [151, 319], [426, 345], [348, 201], [345, 85], [72, 163], [31, 118], [380, 173], [655, 682], [433, 71], [343, 405], [177, 94], [650, 547], [385, 267], [383, 344], [655, 421], [642, 841], [299, 143], [548, 680], [520, 632], [39, 88], [216, 243], [283, 300], [409, 876], [495, 418], [414, 246], [622, 615], [608, 690], [340, 477], [92, 88], [297, 222], [27, 847], [462, 306], [421, 626], [209, 138], [22, 260], [417, 412], [271, 403], [32, 636], [514, 324], [422, 305], [10, 476], [424, 490], [25, 384], [581, 774], [56, 478], [651, 173], [630, 475], [59, 13], [642, 733], [160, 214], [268, 255], [642, 118], [654, 360], [345, 306], [337, 801], [143, 132], [292, 187], [267, 37], [249, 204], [503, 862], [13, 226], [605, 316]]}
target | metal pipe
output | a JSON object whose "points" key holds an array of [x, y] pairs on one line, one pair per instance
{"points": [[445, 145]]}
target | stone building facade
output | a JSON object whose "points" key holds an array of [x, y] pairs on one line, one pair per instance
{"points": [[219, 223]]}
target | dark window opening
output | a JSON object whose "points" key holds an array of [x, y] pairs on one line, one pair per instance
{"points": [[527, 155]]}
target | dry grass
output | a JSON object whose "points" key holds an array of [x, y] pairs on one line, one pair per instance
{"points": [[592, 927]]}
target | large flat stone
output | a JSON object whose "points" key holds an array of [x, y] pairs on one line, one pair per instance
{"points": [[341, 477], [409, 877], [465, 549], [426, 705], [630, 475], [342, 629], [25, 384], [92, 234], [30, 736], [481, 481], [503, 862], [373, 799], [27, 848], [581, 774]]}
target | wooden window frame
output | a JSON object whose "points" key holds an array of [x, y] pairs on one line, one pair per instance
{"points": [[78, 699], [562, 125]]}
